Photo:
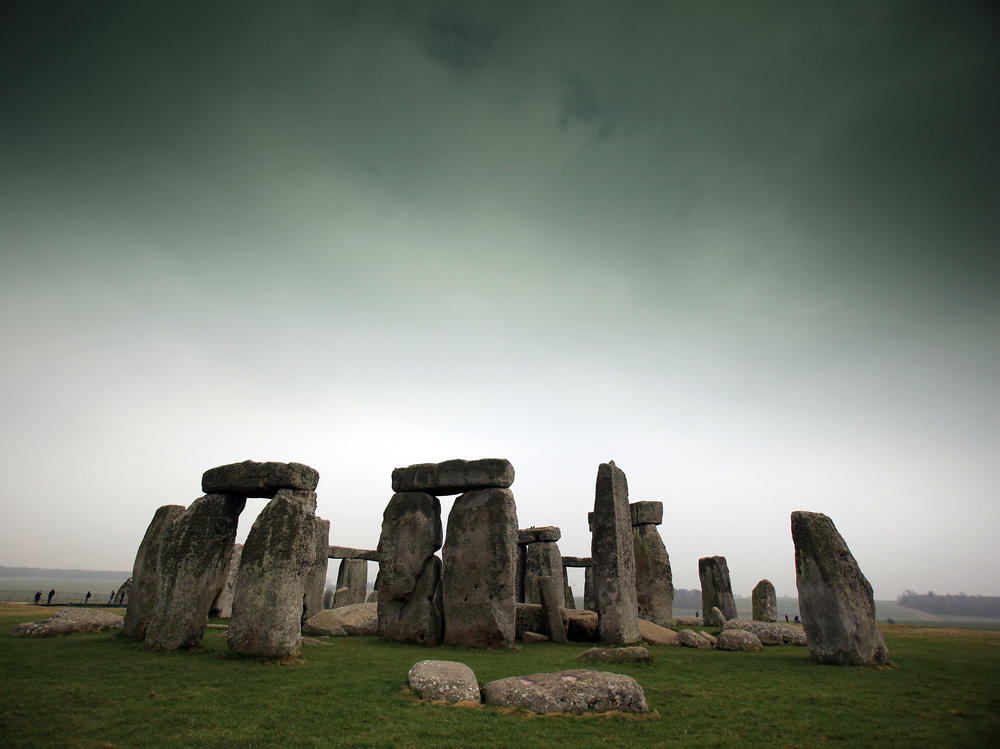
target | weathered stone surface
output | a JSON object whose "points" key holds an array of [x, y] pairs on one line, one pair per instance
{"points": [[410, 607], [194, 555], [588, 589], [711, 638], [535, 535], [570, 601], [124, 592], [533, 637], [346, 552], [691, 639], [252, 479], [654, 634], [654, 582], [551, 610], [578, 691], [541, 559], [352, 579], [222, 606], [577, 561], [770, 633], [444, 680], [355, 619], [716, 587], [68, 621], [646, 513], [629, 654], [715, 617], [315, 576], [688, 621], [581, 625], [764, 602], [454, 476], [146, 572], [279, 552], [479, 557], [614, 558], [835, 598], [737, 639]]}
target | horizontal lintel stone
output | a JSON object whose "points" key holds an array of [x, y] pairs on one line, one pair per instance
{"points": [[646, 513], [534, 535], [346, 552], [577, 561], [454, 476], [253, 479]]}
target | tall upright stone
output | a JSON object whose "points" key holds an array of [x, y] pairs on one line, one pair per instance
{"points": [[835, 598], [410, 607], [716, 587], [222, 606], [764, 603], [146, 572], [541, 559], [279, 552], [352, 582], [480, 563], [614, 558], [315, 582], [654, 583], [194, 555]]}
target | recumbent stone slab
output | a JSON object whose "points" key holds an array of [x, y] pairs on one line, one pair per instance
{"points": [[577, 691], [454, 476], [253, 479]]}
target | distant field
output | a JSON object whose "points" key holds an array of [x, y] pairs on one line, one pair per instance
{"points": [[68, 590]]}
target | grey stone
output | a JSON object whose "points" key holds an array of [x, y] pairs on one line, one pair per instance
{"points": [[551, 599], [444, 680], [715, 617], [654, 584], [194, 555], [315, 580], [578, 691], [352, 578], [372, 597], [629, 654], [770, 633], [70, 620], [711, 638], [279, 552], [410, 608], [716, 587], [479, 557], [535, 535], [354, 619], [764, 602], [614, 558], [454, 476], [835, 598], [222, 606], [737, 639], [533, 637], [146, 572], [252, 479], [346, 552], [646, 513], [577, 561], [541, 559], [588, 589], [691, 639], [567, 591], [654, 634]]}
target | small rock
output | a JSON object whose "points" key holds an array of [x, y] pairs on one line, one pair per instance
{"points": [[630, 654], [444, 680]]}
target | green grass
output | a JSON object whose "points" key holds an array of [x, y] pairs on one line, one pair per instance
{"points": [[104, 690]]}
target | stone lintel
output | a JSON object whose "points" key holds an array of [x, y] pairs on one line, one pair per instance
{"points": [[535, 535], [646, 513], [346, 552], [577, 561]]}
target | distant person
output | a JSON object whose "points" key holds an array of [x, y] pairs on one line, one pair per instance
{"points": [[696, 613], [111, 598], [786, 618], [86, 598], [48, 601], [121, 596], [797, 619], [38, 597]]}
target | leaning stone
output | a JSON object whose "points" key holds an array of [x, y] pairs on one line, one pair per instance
{"points": [[271, 585], [764, 602], [551, 610], [691, 639], [579, 691], [444, 680], [654, 586], [716, 587], [711, 638], [737, 639], [454, 476], [630, 654], [222, 606], [614, 558], [770, 633], [315, 576], [352, 578], [530, 637], [252, 479], [68, 621], [838, 609], [355, 619], [535, 535], [715, 618], [146, 572], [194, 555], [479, 558], [541, 559], [646, 513], [654, 634]]}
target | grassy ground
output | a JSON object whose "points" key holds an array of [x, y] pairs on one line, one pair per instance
{"points": [[104, 690]]}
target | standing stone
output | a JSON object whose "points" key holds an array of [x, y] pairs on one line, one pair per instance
{"points": [[835, 598], [480, 561], [614, 558], [409, 578], [551, 605], [352, 579], [588, 589], [568, 591], [654, 584], [279, 552], [542, 559], [764, 602], [716, 588], [222, 606], [315, 582], [146, 572], [194, 554]]}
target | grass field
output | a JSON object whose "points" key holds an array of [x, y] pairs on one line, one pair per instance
{"points": [[104, 690]]}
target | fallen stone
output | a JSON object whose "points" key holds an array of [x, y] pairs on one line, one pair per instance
{"points": [[252, 479], [444, 680], [454, 476], [716, 587], [691, 639], [711, 638], [530, 637], [654, 634], [535, 535], [737, 639], [764, 603], [614, 558], [646, 513], [579, 691], [688, 621], [146, 572], [354, 619], [715, 618], [70, 620], [770, 633], [629, 654]]}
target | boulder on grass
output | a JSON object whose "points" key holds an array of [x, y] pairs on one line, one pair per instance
{"points": [[68, 621], [737, 639], [578, 691], [770, 633], [691, 639], [444, 680], [654, 634]]}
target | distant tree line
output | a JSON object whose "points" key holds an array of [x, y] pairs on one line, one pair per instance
{"points": [[961, 604]]}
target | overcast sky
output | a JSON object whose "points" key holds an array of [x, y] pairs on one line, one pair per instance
{"points": [[751, 252]]}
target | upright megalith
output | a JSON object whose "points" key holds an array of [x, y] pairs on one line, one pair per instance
{"points": [[223, 604], [146, 572], [480, 564], [541, 559], [454, 476], [278, 555], [315, 582], [410, 608], [352, 582], [192, 563], [835, 598], [613, 556], [764, 603], [654, 583], [716, 587], [253, 479]]}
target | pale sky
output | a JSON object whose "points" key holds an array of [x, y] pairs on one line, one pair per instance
{"points": [[748, 252]]}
